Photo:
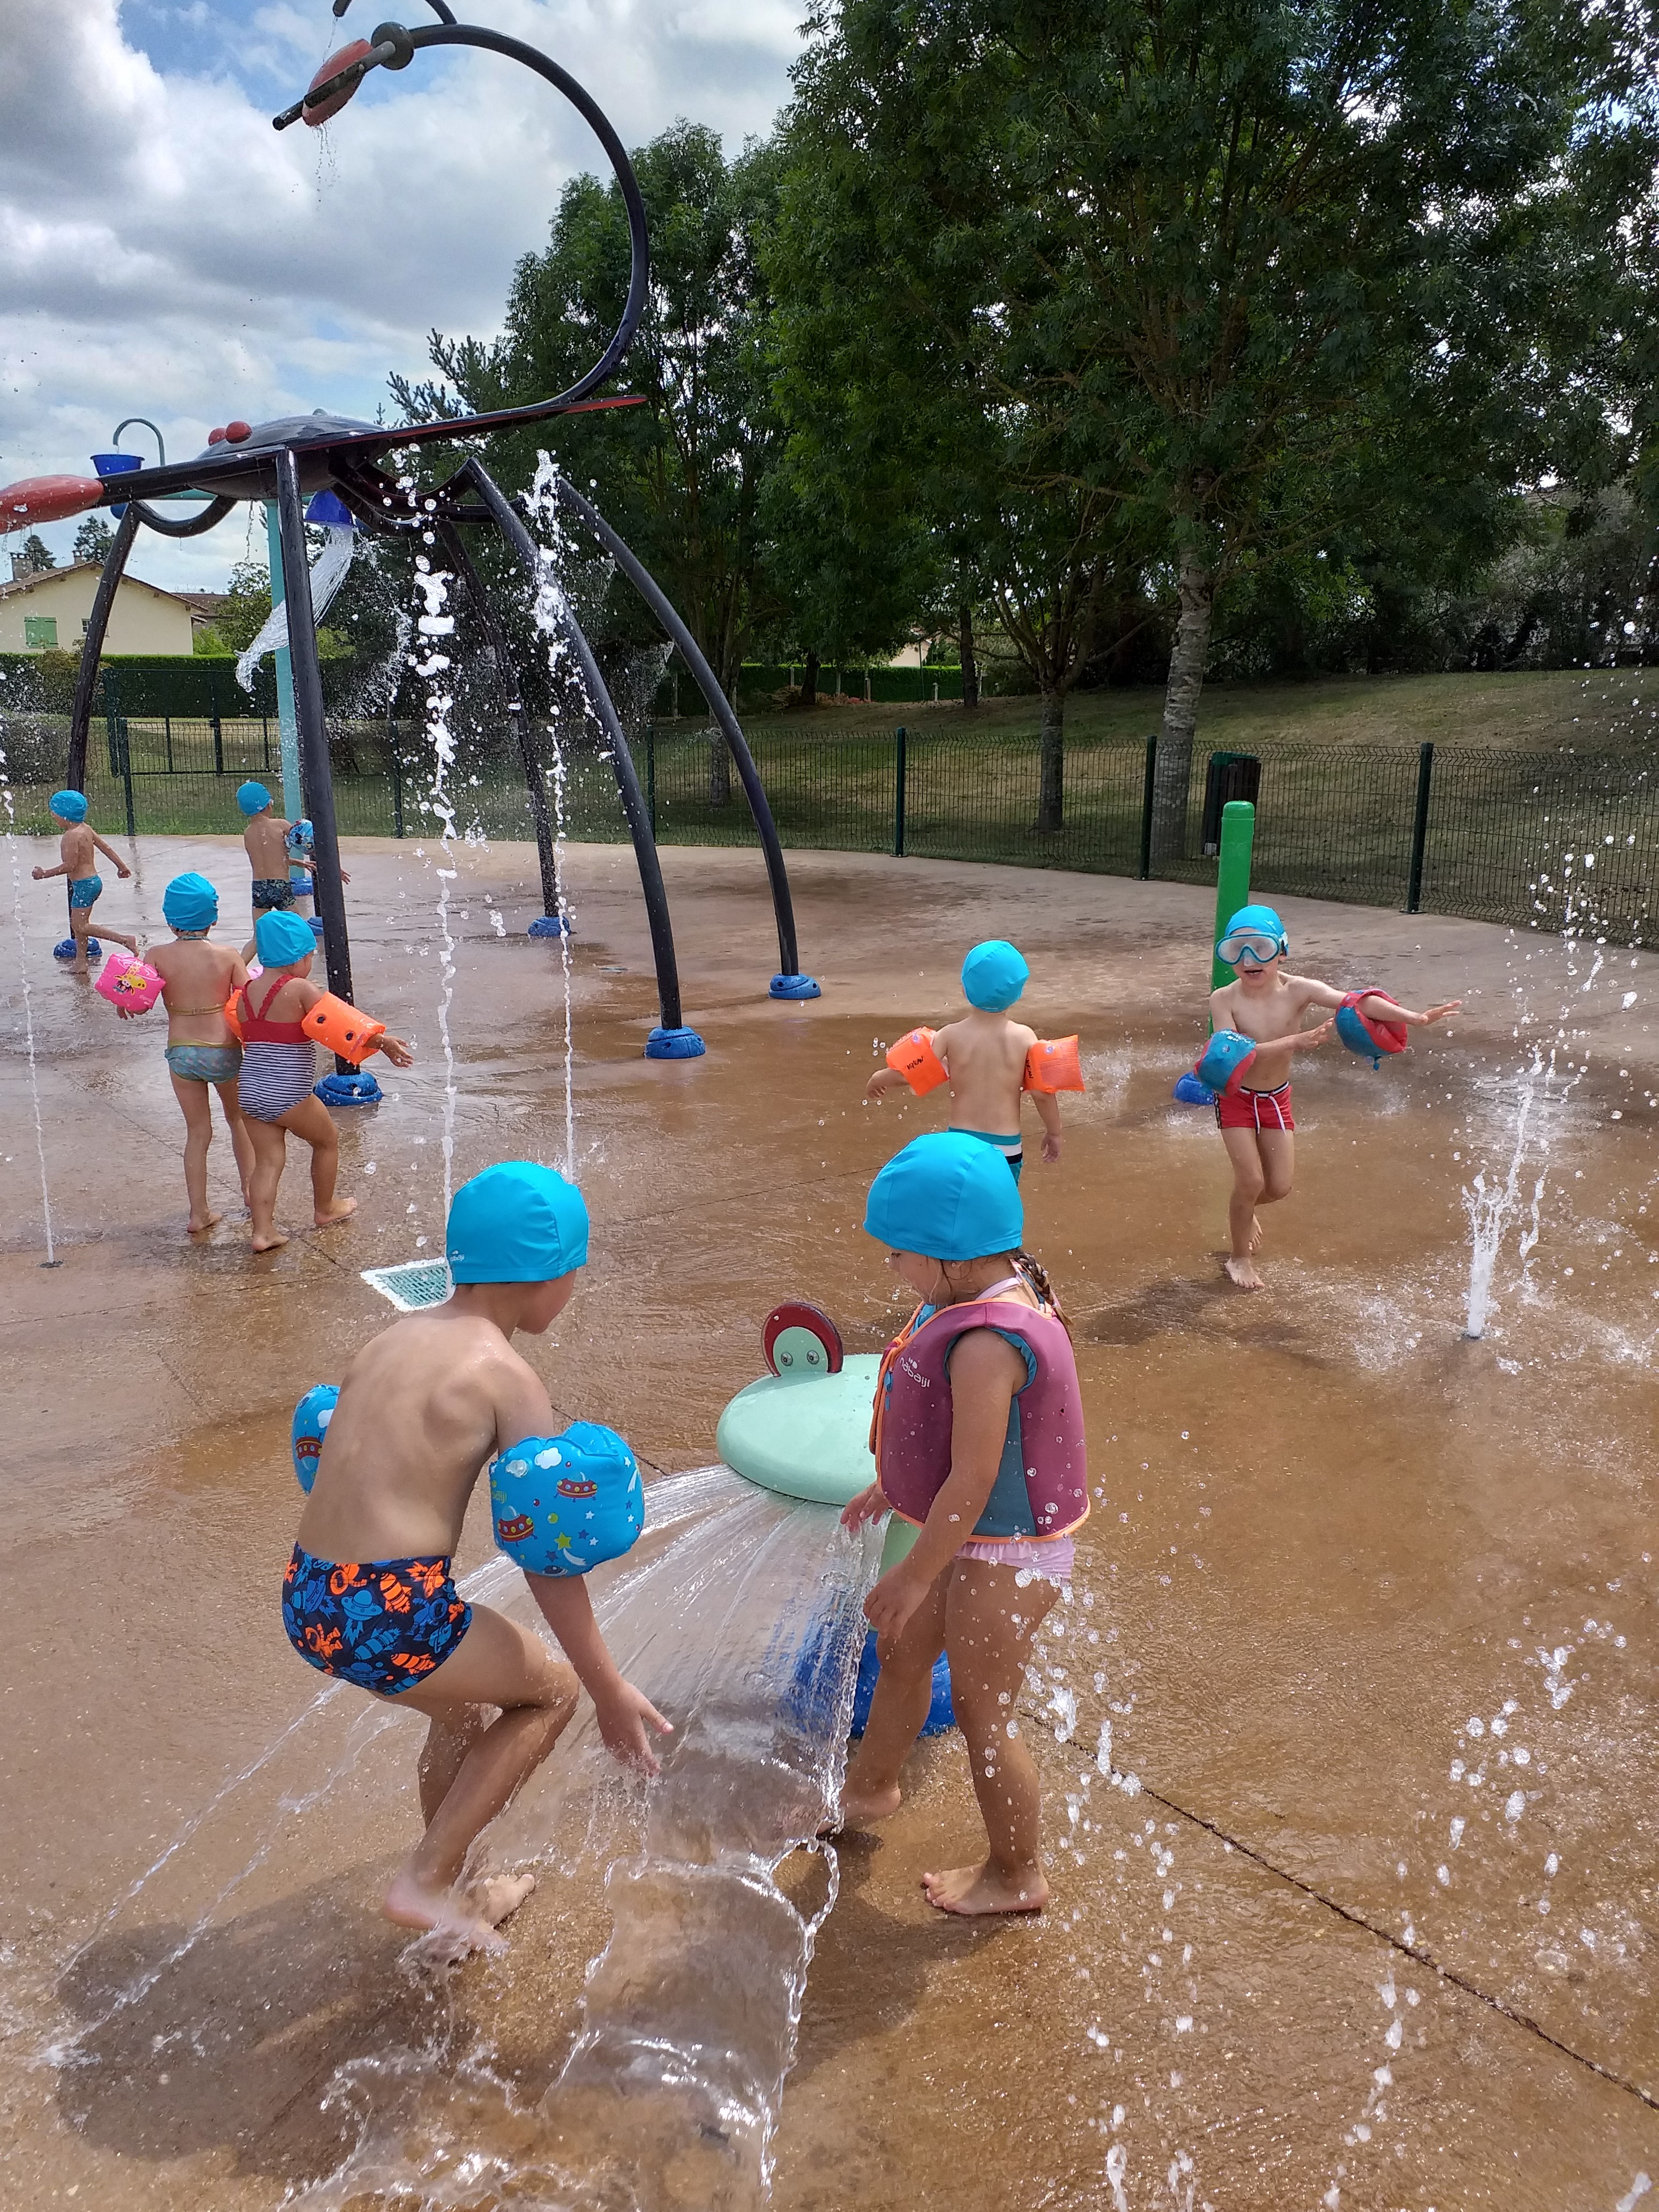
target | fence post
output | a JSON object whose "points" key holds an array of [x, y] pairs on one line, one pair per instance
{"points": [[899, 751], [1147, 810], [651, 775], [111, 718], [213, 716], [1419, 829], [122, 739], [166, 726], [397, 777], [264, 736]]}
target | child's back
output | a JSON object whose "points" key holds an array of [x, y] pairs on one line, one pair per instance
{"points": [[984, 1055]]}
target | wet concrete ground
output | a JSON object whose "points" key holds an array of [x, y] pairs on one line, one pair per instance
{"points": [[1322, 1940]]}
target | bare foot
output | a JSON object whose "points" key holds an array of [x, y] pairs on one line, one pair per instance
{"points": [[270, 1243], [459, 1924], [980, 1889], [859, 1806], [194, 1228], [340, 1211], [1243, 1272]]}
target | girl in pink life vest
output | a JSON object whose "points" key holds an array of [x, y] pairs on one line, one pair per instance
{"points": [[978, 1439]]}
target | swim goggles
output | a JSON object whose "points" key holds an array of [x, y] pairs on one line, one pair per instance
{"points": [[1254, 946]]}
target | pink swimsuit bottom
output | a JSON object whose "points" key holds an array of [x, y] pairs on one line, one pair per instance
{"points": [[1051, 1557]]}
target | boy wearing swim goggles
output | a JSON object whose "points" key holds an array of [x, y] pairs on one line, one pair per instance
{"points": [[1268, 1004]]}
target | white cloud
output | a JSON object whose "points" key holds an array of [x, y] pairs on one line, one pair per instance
{"points": [[164, 251]]}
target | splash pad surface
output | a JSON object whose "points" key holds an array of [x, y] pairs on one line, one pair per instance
{"points": [[1334, 1536]]}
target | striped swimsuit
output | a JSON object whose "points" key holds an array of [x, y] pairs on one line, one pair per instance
{"points": [[279, 1061]]}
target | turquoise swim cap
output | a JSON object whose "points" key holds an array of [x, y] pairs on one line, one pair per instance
{"points": [[993, 975], [948, 1196], [1252, 920], [283, 939], [190, 902], [517, 1222], [69, 806], [252, 798]]}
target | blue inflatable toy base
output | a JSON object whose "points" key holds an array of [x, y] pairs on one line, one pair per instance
{"points": [[941, 1714], [317, 927], [794, 986], [1189, 1091], [674, 1044], [549, 924], [65, 949], [359, 1088]]}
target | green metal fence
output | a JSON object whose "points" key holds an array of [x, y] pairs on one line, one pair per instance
{"points": [[1525, 838]]}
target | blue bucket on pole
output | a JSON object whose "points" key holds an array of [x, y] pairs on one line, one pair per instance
{"points": [[117, 464]]}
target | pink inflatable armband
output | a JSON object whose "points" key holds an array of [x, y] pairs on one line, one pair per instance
{"points": [[129, 983]]}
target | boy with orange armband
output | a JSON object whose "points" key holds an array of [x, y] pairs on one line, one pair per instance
{"points": [[280, 1019], [990, 1062]]}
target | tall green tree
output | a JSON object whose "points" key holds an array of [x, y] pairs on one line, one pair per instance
{"points": [[93, 539], [682, 477], [1257, 254]]}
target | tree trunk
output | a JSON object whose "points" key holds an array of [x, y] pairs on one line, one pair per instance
{"points": [[1051, 784], [809, 681], [970, 666], [720, 757], [1173, 772]]}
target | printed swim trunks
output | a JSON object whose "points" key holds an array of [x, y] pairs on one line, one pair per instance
{"points": [[205, 1063], [84, 890], [381, 1624], [270, 892]]}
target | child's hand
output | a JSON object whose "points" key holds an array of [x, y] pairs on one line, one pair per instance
{"points": [[1439, 1013], [891, 1604], [39, 875], [868, 1505], [879, 1085], [122, 873], [1307, 1037], [1051, 1146], [396, 1051], [344, 878], [622, 1719]]}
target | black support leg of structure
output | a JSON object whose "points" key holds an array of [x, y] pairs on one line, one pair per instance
{"points": [[672, 1041], [552, 906], [788, 983], [92, 647], [316, 778]]}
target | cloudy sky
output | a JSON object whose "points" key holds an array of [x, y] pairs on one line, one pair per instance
{"points": [[164, 252]]}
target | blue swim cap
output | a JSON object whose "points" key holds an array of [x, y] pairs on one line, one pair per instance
{"points": [[993, 975], [1254, 920], [948, 1196], [69, 806], [283, 939], [517, 1222], [252, 798], [190, 902]]}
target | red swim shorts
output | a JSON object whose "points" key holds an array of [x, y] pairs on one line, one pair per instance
{"points": [[1256, 1109]]}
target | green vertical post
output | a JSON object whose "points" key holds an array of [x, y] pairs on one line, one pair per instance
{"points": [[287, 724], [1232, 879]]}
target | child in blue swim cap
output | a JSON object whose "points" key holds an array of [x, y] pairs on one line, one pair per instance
{"points": [[1265, 1002], [369, 1597], [985, 1056], [979, 1445], [203, 1053], [283, 863], [76, 851]]}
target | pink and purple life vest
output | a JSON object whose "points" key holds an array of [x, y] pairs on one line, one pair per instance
{"points": [[1041, 1486]]}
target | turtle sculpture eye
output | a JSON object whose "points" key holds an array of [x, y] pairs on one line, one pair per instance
{"points": [[801, 1341]]}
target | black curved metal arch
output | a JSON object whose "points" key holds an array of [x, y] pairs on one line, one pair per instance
{"points": [[449, 32], [474, 473], [719, 706]]}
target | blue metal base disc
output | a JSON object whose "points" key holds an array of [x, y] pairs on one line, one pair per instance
{"points": [[549, 924], [317, 926], [941, 1714], [65, 949], [356, 1090], [794, 986], [1189, 1091], [674, 1044]]}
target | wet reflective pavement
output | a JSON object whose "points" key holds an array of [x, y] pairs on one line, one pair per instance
{"points": [[1321, 1933]]}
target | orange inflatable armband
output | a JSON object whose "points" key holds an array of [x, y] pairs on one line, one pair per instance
{"points": [[914, 1057], [342, 1029], [233, 1017], [1052, 1064]]}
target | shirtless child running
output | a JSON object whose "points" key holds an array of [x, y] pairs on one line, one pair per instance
{"points": [[369, 1595], [76, 853], [1266, 1003], [985, 1055]]}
